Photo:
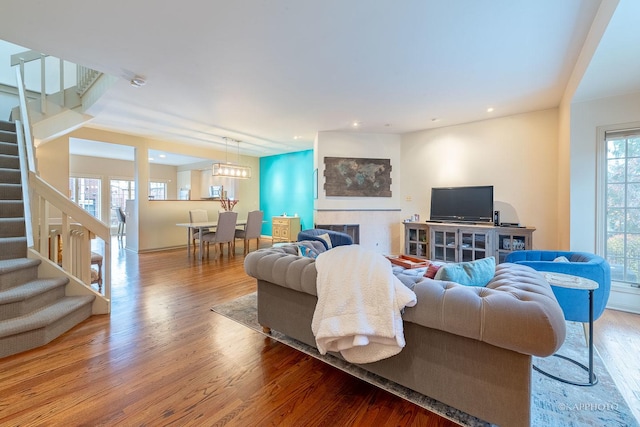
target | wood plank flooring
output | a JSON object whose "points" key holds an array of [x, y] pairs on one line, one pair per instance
{"points": [[617, 339], [163, 358]]}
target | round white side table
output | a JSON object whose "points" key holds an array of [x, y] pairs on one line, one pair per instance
{"points": [[562, 280]]}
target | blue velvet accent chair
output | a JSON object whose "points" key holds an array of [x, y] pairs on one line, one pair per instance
{"points": [[574, 303], [337, 238]]}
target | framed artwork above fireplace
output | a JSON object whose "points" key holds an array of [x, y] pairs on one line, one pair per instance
{"points": [[357, 177]]}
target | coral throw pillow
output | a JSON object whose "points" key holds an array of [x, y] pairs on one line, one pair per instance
{"points": [[432, 270]]}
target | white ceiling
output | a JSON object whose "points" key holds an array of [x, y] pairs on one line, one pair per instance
{"points": [[274, 73], [615, 67]]}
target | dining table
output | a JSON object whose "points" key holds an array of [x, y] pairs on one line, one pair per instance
{"points": [[192, 227]]}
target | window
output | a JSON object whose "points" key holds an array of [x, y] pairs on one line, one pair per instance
{"points": [[121, 191], [157, 191], [622, 205], [86, 192]]}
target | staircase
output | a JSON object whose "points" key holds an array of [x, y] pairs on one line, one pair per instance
{"points": [[33, 310], [56, 110]]}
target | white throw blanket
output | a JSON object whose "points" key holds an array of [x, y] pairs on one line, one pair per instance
{"points": [[359, 305]]}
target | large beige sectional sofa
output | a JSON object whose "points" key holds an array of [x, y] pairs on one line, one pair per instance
{"points": [[468, 347]]}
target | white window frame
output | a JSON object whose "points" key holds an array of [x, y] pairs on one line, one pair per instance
{"points": [[163, 182], [113, 218], [98, 210], [623, 295]]}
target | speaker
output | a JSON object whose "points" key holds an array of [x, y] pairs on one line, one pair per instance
{"points": [[496, 218]]}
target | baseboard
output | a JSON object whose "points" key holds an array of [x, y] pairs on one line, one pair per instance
{"points": [[624, 298], [164, 248]]}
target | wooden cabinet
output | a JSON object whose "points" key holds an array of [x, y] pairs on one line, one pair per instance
{"points": [[509, 239], [285, 228], [460, 243], [416, 239], [464, 242]]}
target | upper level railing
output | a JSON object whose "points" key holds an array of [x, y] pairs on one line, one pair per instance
{"points": [[84, 77], [74, 226]]}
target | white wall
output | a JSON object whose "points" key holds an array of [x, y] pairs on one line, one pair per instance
{"points": [[7, 103], [516, 154], [586, 117], [151, 224], [108, 169], [379, 217]]}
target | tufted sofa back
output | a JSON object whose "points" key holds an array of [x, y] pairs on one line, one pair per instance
{"points": [[517, 309]]}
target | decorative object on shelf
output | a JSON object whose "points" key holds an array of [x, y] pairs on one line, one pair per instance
{"points": [[353, 177], [228, 204], [231, 170], [506, 243]]}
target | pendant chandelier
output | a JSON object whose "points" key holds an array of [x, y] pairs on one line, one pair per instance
{"points": [[231, 170]]}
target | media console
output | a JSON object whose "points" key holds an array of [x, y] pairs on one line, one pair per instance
{"points": [[453, 242]]}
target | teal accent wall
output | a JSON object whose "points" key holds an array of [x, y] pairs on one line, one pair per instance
{"points": [[286, 185]]}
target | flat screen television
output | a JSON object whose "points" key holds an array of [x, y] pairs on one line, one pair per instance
{"points": [[465, 204]]}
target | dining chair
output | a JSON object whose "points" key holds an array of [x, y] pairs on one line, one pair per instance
{"points": [[252, 230], [225, 232], [198, 215], [96, 259], [122, 221]]}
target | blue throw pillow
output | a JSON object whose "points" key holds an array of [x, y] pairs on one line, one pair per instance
{"points": [[306, 252], [472, 273]]}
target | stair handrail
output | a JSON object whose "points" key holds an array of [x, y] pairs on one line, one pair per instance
{"points": [[24, 181], [31, 55], [72, 216], [24, 115], [68, 207], [39, 194]]}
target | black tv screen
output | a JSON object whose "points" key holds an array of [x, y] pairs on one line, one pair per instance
{"points": [[467, 204]]}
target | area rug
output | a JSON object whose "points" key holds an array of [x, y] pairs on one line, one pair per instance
{"points": [[553, 403]]}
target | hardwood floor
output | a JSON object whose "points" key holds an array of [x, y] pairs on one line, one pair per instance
{"points": [[163, 358], [617, 339]]}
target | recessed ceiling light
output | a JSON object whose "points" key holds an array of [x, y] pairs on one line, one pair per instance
{"points": [[490, 110], [162, 156], [296, 137], [356, 124], [138, 81]]}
